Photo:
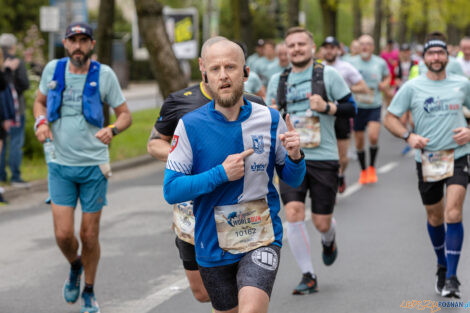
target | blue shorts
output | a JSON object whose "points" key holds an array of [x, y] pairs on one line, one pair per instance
{"points": [[365, 116], [68, 183]]}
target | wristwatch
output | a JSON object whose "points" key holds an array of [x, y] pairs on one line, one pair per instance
{"points": [[114, 129], [302, 156], [327, 109], [406, 135]]}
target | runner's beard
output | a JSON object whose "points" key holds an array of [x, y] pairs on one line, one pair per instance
{"points": [[231, 100], [439, 70], [330, 60], [301, 63], [79, 62]]}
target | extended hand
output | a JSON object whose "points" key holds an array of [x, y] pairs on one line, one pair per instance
{"points": [[234, 165], [291, 140]]}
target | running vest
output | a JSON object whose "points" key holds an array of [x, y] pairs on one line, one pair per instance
{"points": [[318, 85], [91, 101]]}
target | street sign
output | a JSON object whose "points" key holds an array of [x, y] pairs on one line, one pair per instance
{"points": [[69, 11], [49, 19], [182, 27]]}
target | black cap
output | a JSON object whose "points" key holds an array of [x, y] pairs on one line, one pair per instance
{"points": [[330, 40], [79, 28], [260, 43], [405, 47]]}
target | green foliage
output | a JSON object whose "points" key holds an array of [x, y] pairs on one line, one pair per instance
{"points": [[18, 16], [32, 147]]}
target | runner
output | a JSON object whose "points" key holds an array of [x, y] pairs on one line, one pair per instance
{"points": [[314, 117], [223, 156], [79, 166], [174, 107], [441, 140], [342, 124], [375, 72], [464, 61], [282, 61]]}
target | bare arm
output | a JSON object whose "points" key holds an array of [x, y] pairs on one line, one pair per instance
{"points": [[394, 125], [39, 109], [360, 87], [385, 83], [158, 145], [123, 121]]}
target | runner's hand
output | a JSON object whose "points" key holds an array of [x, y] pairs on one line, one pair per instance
{"points": [[43, 132], [462, 135], [417, 142], [274, 105], [317, 103], [105, 135], [234, 165], [291, 140]]}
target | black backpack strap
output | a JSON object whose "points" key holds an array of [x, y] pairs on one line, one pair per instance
{"points": [[318, 84], [282, 90]]}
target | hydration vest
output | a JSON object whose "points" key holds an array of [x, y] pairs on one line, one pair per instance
{"points": [[91, 101]]}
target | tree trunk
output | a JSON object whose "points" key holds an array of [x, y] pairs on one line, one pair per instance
{"points": [[104, 41], [329, 13], [421, 34], [453, 34], [403, 22], [357, 14], [245, 21], [377, 25], [164, 64], [293, 13], [388, 21], [235, 8]]}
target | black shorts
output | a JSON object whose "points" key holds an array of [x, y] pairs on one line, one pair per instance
{"points": [[3, 133], [187, 254], [258, 268], [342, 128], [365, 116], [322, 181], [432, 193]]}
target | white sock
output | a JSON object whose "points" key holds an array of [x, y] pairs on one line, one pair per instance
{"points": [[299, 244], [329, 236]]}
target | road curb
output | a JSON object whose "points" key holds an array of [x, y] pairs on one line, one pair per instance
{"points": [[12, 192]]}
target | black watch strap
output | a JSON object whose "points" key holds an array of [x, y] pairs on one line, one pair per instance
{"points": [[406, 135], [327, 109], [302, 156], [115, 130]]}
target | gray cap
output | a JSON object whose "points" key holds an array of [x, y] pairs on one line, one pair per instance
{"points": [[7, 40]]}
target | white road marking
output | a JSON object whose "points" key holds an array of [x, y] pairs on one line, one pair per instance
{"points": [[387, 167]]}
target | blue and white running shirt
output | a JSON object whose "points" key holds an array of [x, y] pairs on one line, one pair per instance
{"points": [[203, 139]]}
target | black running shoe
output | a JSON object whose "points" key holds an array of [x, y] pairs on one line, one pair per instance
{"points": [[451, 288], [307, 285], [329, 253], [440, 278]]}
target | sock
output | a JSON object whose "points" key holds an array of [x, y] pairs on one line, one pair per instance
{"points": [[329, 236], [454, 239], [77, 264], [361, 156], [88, 288], [373, 153], [438, 238], [299, 244]]}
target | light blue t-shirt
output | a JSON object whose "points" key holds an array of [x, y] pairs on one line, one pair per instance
{"points": [[74, 138], [260, 67], [252, 59], [253, 83], [373, 72], [272, 69], [299, 89], [436, 107], [453, 67]]}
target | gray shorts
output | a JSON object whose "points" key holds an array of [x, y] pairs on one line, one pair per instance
{"points": [[257, 268]]}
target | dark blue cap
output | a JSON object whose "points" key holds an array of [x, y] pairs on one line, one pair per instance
{"points": [[79, 28]]}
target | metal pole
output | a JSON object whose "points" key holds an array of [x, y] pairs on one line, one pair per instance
{"points": [[51, 46]]}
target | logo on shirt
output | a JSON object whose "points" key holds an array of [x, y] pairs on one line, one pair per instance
{"points": [[256, 167], [266, 258], [238, 218], [432, 105], [174, 143], [258, 145]]}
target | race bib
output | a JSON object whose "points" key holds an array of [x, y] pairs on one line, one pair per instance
{"points": [[244, 227], [184, 221], [437, 165], [308, 128], [366, 98]]}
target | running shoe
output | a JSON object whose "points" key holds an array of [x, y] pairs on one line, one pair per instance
{"points": [[451, 288], [89, 303], [371, 175], [71, 288], [341, 184], [440, 278], [329, 253], [307, 285], [363, 178]]}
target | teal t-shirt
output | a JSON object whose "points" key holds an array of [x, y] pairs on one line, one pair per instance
{"points": [[253, 83], [260, 67], [299, 87], [453, 67], [436, 107], [272, 69], [373, 72], [252, 59], [74, 138]]}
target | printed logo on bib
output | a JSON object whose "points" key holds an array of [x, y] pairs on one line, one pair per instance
{"points": [[437, 165], [308, 128], [174, 143], [184, 221], [266, 258], [258, 144]]}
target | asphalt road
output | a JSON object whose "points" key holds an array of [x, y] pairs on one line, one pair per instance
{"points": [[385, 256]]}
